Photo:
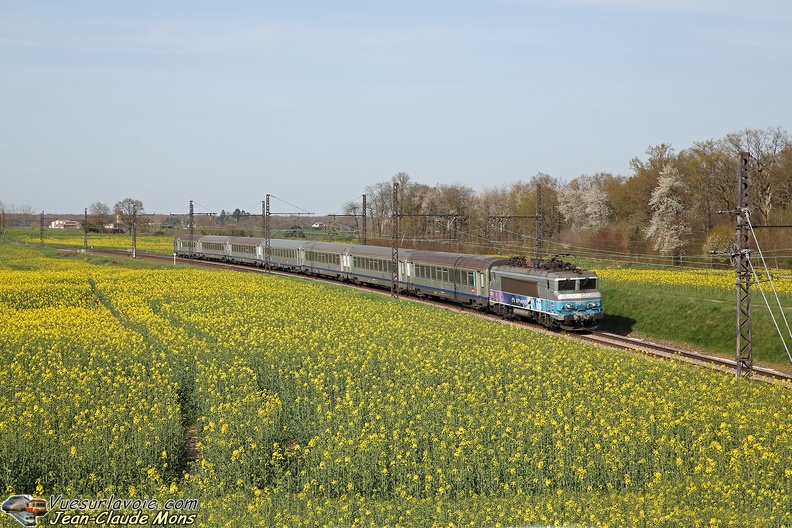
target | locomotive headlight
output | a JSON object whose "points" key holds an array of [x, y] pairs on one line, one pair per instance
{"points": [[569, 306], [592, 305]]}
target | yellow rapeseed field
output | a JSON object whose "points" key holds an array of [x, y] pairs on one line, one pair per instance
{"points": [[321, 406], [69, 238], [689, 278]]}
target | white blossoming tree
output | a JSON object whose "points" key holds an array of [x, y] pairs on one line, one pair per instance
{"points": [[584, 204], [669, 226]]}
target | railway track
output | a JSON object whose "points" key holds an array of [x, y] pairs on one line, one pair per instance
{"points": [[597, 337], [626, 343]]}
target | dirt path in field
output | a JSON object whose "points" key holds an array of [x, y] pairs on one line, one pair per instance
{"points": [[191, 452]]}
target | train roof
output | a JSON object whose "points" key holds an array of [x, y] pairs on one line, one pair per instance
{"points": [[359, 250], [455, 260], [330, 247], [517, 271], [553, 268], [250, 241], [186, 236], [283, 243]]}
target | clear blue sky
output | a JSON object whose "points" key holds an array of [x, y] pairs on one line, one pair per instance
{"points": [[311, 101]]}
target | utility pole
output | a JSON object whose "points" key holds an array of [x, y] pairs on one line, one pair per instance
{"points": [[539, 228], [134, 231], [362, 236], [41, 229], [266, 220], [191, 228], [742, 258], [363, 239], [267, 234], [395, 242], [85, 231]]}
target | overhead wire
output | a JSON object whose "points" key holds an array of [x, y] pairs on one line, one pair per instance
{"points": [[345, 204], [772, 285], [303, 211], [201, 205]]}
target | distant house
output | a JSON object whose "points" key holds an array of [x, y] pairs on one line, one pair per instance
{"points": [[319, 225], [64, 224]]}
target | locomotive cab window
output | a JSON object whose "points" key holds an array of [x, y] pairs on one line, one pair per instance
{"points": [[567, 285]]}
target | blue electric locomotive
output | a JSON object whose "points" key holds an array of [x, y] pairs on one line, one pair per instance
{"points": [[555, 293]]}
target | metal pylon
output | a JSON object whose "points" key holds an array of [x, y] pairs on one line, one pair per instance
{"points": [[742, 256], [395, 242]]}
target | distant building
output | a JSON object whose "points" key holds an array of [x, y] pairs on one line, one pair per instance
{"points": [[64, 224], [319, 225]]}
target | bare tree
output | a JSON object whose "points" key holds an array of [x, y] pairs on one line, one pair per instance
{"points": [[405, 185], [379, 198], [353, 208], [455, 201], [710, 167], [126, 209], [26, 213], [492, 203], [767, 149], [99, 214]]}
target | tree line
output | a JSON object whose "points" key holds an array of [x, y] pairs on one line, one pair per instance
{"points": [[99, 216], [668, 205]]}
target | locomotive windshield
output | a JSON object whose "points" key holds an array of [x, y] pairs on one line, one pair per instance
{"points": [[567, 285], [589, 283]]}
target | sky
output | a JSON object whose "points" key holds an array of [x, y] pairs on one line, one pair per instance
{"points": [[224, 102]]}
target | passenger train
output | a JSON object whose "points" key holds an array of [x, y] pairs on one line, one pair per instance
{"points": [[554, 293]]}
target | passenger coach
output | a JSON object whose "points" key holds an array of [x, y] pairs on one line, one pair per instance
{"points": [[286, 254], [452, 276]]}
